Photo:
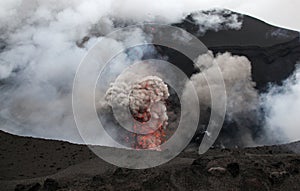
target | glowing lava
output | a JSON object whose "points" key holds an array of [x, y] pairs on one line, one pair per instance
{"points": [[147, 105]]}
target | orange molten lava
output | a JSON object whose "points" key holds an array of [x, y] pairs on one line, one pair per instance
{"points": [[153, 135], [151, 140]]}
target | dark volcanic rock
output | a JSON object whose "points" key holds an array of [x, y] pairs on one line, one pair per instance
{"points": [[254, 179], [234, 169], [50, 185], [98, 179], [253, 184], [201, 162], [29, 187], [252, 168], [278, 177]]}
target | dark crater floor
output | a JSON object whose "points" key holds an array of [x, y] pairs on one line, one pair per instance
{"points": [[37, 164]]}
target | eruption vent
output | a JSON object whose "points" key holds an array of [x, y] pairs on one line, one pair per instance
{"points": [[146, 102]]}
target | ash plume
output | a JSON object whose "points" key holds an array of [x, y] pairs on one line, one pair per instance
{"points": [[242, 97], [144, 99], [147, 115]]}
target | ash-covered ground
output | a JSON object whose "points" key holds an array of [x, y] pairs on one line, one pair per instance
{"points": [[37, 164]]}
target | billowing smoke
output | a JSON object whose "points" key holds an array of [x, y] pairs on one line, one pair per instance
{"points": [[242, 97], [236, 70], [282, 107], [144, 99], [148, 95], [43, 49], [42, 44]]}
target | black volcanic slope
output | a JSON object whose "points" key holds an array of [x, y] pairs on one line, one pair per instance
{"points": [[273, 51], [36, 164]]}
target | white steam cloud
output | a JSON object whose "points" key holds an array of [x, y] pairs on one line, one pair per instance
{"points": [[44, 42], [282, 107], [217, 20]]}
